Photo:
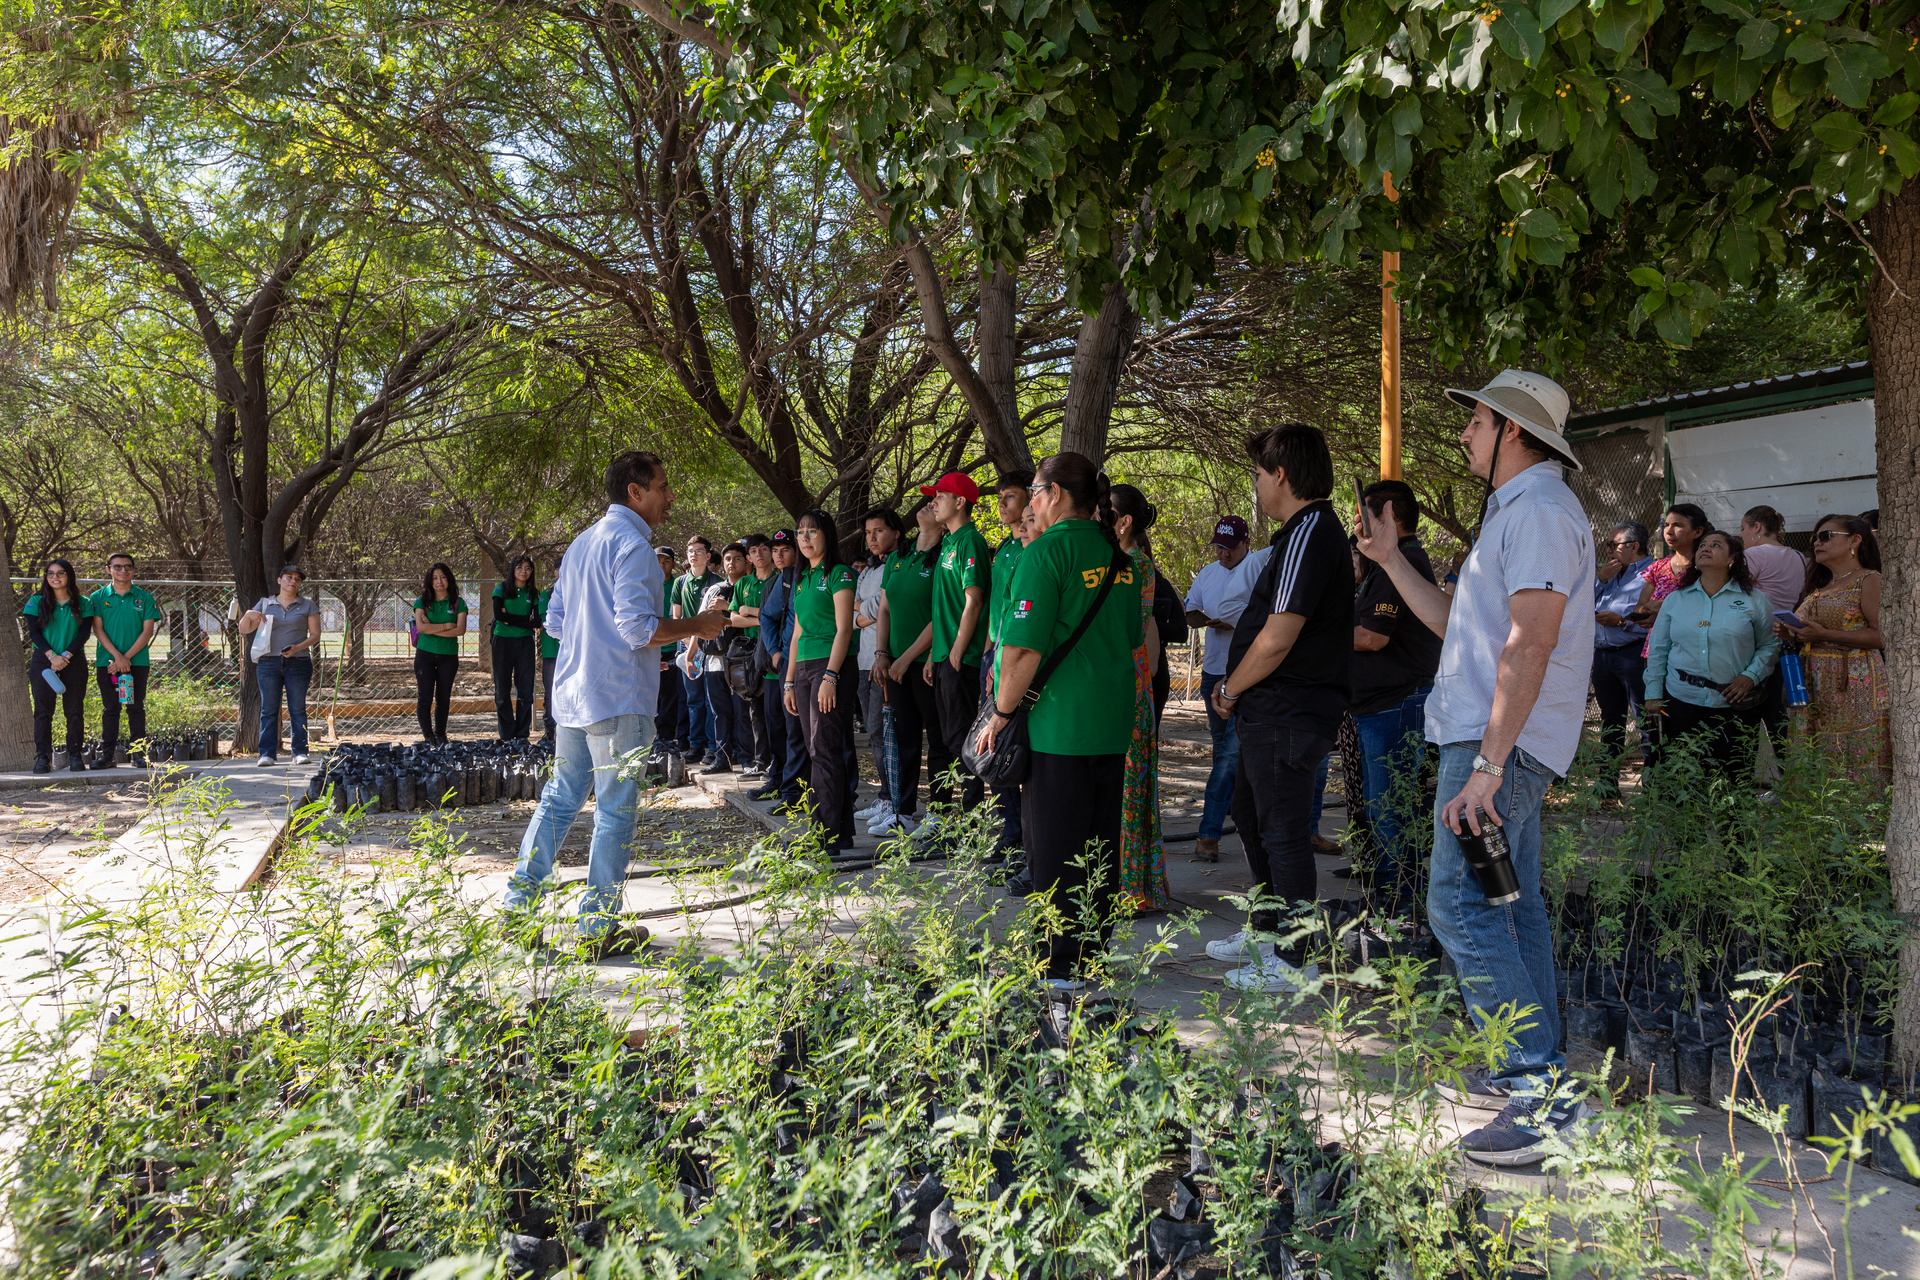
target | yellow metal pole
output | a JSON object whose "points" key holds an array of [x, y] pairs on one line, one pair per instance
{"points": [[1389, 357]]}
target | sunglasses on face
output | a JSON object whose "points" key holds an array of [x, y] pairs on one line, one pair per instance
{"points": [[1826, 535]]}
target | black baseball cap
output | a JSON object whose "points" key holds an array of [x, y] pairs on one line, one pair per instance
{"points": [[784, 538]]}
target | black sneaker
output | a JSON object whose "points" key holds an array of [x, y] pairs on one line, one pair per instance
{"points": [[1517, 1137], [695, 757], [720, 765], [1478, 1091], [620, 940], [42, 764], [769, 792], [77, 765]]}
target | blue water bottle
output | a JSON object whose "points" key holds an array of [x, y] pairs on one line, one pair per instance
{"points": [[124, 684], [1794, 677]]}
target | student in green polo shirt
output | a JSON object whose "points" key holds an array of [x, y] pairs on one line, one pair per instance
{"points": [[1081, 726], [549, 651], [124, 618], [962, 576], [684, 602], [747, 595], [516, 615], [57, 626], [821, 671], [1010, 492], [440, 616], [906, 633]]}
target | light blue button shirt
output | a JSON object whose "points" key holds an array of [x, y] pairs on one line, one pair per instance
{"points": [[1535, 537], [1620, 595], [1716, 636], [605, 607]]}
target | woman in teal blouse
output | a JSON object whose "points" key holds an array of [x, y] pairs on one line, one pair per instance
{"points": [[516, 616], [440, 616]]}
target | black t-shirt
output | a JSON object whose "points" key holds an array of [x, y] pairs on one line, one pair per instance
{"points": [[1309, 572], [1383, 678]]}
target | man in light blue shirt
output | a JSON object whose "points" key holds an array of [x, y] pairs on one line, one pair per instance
{"points": [[1618, 667], [1506, 711], [605, 608]]}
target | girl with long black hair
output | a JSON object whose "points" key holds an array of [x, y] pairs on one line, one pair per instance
{"points": [[440, 616], [57, 625], [516, 616], [1082, 723], [820, 652]]}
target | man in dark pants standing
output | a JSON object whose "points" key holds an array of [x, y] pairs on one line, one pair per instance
{"points": [[1286, 687], [962, 575], [785, 742], [1619, 669], [747, 594], [684, 598], [124, 619]]}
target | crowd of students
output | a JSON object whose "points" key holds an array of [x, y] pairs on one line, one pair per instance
{"points": [[120, 618]]}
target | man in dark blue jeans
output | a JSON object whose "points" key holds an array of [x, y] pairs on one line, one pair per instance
{"points": [[784, 737], [1209, 614], [1287, 688], [1394, 658], [1619, 669]]}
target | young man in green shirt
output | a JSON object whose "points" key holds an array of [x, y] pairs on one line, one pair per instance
{"points": [[962, 576], [124, 618], [685, 603], [1010, 492]]}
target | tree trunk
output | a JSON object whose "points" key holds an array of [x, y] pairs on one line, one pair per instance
{"points": [[1894, 321], [999, 350], [482, 644], [16, 698], [1099, 357]]}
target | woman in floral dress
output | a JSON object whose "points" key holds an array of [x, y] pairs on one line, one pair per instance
{"points": [[1846, 714], [1143, 868]]}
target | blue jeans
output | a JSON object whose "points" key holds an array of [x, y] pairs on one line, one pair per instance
{"points": [[1504, 954], [728, 721], [293, 675], [1226, 764], [1392, 744], [1619, 685], [699, 717], [584, 758]]}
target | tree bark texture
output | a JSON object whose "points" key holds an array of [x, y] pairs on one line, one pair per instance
{"points": [[1099, 358], [1894, 321], [997, 335], [16, 699]]}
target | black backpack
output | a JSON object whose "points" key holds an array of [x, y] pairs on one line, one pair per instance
{"points": [[1169, 611]]}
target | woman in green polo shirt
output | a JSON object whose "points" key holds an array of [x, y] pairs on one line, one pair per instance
{"points": [[57, 625], [516, 615], [821, 650], [1082, 724], [906, 633], [440, 616]]}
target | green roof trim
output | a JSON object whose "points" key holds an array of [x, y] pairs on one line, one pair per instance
{"points": [[1760, 398]]}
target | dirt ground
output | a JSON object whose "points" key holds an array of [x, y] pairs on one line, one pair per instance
{"points": [[48, 831]]}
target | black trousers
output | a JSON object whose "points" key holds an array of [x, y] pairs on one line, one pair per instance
{"points": [[774, 711], [1273, 808], [1619, 678], [914, 716], [669, 711], [433, 678], [754, 708], [73, 702], [829, 738], [1724, 739], [513, 658], [1071, 818], [957, 695], [110, 709], [546, 696]]}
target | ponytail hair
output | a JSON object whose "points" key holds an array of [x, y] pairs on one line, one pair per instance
{"points": [[1125, 500], [1089, 496]]}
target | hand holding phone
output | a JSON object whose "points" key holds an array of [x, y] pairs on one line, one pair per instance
{"points": [[1360, 501], [1790, 618]]}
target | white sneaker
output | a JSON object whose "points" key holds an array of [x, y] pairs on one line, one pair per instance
{"points": [[299, 759], [264, 762], [1237, 949], [1272, 976], [889, 823], [873, 812]]}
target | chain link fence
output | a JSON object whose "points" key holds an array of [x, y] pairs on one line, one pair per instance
{"points": [[363, 687]]}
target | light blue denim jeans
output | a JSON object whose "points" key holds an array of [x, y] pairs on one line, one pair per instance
{"points": [[582, 759], [1504, 954]]}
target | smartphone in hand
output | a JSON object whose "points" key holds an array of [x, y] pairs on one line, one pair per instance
{"points": [[1789, 617], [1360, 501]]}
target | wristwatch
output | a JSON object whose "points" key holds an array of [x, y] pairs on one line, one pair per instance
{"points": [[1483, 765]]}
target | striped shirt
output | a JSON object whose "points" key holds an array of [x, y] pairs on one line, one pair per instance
{"points": [[1535, 537]]}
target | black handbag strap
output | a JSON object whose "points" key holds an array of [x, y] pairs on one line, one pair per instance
{"points": [[1121, 563]]}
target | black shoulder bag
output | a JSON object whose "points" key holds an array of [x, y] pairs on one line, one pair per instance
{"points": [[1011, 760]]}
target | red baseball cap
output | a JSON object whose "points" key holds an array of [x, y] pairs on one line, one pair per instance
{"points": [[1229, 532], [956, 482]]}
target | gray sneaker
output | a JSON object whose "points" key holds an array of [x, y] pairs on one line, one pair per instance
{"points": [[1478, 1091], [1517, 1137]]}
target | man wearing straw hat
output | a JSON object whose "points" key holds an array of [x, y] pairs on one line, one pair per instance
{"points": [[1506, 711]]}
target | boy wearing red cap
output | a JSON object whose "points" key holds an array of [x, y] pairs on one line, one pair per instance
{"points": [[961, 579]]}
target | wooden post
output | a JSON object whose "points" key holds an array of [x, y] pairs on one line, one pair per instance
{"points": [[1389, 356]]}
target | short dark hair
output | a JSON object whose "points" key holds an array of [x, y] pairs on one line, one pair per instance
{"points": [[753, 540], [632, 467], [734, 546], [885, 515], [702, 539], [1298, 450], [1013, 480], [1406, 504], [119, 555], [1634, 530]]}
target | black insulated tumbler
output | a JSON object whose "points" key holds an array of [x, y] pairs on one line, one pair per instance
{"points": [[1490, 859]]}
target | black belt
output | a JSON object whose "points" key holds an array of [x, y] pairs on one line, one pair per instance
{"points": [[1614, 648]]}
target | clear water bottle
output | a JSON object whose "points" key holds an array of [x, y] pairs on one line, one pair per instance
{"points": [[1491, 860]]}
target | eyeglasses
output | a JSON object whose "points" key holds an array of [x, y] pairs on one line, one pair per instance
{"points": [[1623, 542], [1036, 488], [1827, 534]]}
